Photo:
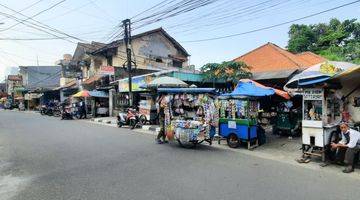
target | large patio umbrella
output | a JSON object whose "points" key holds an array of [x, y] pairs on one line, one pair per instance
{"points": [[166, 81], [318, 73], [82, 93]]}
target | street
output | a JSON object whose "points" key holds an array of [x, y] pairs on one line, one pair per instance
{"points": [[43, 157]]}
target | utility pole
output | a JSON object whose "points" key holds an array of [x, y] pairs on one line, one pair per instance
{"points": [[127, 41]]}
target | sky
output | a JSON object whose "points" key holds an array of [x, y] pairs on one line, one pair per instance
{"points": [[97, 20]]}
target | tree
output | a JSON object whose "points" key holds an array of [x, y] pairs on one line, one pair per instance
{"points": [[229, 71], [336, 40]]}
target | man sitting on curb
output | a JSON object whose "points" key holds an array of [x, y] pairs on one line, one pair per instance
{"points": [[350, 143]]}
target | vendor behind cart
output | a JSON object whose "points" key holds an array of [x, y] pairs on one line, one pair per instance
{"points": [[350, 144]]}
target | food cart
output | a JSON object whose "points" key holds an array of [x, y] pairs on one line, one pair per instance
{"points": [[322, 88], [190, 115], [239, 113]]}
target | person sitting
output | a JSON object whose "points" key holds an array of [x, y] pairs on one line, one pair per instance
{"points": [[350, 143]]}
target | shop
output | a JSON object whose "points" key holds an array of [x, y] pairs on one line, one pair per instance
{"points": [[190, 114]]}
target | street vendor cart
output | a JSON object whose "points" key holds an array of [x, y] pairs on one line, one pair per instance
{"points": [[238, 122], [320, 119], [189, 115]]}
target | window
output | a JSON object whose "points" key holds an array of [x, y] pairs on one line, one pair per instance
{"points": [[109, 60], [159, 60], [177, 63]]}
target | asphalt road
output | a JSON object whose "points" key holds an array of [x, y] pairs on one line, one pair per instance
{"points": [[44, 158]]}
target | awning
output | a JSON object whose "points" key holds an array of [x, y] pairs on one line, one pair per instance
{"points": [[250, 88], [186, 90], [318, 73], [67, 85], [99, 94], [82, 93], [280, 74], [93, 79]]}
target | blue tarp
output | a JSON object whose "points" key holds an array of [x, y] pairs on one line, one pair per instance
{"points": [[186, 90], [249, 89], [98, 93]]}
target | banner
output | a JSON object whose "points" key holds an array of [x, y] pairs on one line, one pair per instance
{"points": [[107, 70]]}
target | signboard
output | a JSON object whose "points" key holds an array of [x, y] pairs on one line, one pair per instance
{"points": [[107, 70], [313, 94], [135, 84], [232, 124]]}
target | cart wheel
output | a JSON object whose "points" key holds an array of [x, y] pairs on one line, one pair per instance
{"points": [[233, 141], [189, 146]]}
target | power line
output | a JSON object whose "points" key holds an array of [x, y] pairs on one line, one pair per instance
{"points": [[39, 27], [39, 13], [272, 26], [27, 7]]}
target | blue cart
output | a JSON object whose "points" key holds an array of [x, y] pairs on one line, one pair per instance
{"points": [[237, 131]]}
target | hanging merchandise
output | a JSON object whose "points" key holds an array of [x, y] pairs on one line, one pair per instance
{"points": [[190, 116]]}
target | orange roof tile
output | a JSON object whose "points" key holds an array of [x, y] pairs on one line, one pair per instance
{"points": [[311, 58], [270, 57]]}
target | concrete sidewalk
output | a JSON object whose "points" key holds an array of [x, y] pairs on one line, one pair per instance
{"points": [[112, 121]]}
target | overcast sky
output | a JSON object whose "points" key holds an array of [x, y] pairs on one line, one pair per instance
{"points": [[96, 20]]}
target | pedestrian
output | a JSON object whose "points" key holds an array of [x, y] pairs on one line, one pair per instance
{"points": [[161, 116], [350, 144]]}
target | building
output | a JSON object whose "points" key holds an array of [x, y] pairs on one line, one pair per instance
{"points": [[152, 50], [273, 65], [40, 77], [14, 85]]}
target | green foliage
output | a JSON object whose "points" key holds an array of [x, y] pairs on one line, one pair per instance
{"points": [[230, 71], [336, 40]]}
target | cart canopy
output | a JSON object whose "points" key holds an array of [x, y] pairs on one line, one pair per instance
{"points": [[318, 73], [186, 90]]}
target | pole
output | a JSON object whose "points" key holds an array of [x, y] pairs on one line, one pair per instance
{"points": [[127, 41]]}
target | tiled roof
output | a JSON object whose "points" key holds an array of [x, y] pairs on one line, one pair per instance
{"points": [[271, 57], [311, 58], [116, 43]]}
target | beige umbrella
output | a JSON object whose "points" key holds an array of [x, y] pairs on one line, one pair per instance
{"points": [[166, 81]]}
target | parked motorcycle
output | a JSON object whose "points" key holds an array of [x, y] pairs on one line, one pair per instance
{"points": [[132, 118], [66, 113]]}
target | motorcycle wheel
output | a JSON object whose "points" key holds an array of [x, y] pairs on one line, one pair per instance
{"points": [[142, 120], [42, 112], [57, 113], [132, 123]]}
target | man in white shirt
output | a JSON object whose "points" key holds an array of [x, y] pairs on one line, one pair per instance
{"points": [[351, 142]]}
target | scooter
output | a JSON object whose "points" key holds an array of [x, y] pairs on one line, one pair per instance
{"points": [[66, 113], [131, 118]]}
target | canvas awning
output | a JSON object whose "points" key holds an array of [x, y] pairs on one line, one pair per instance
{"points": [[250, 88]]}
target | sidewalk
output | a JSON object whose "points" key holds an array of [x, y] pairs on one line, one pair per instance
{"points": [[112, 121]]}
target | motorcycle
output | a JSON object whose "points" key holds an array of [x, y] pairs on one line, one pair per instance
{"points": [[43, 110], [66, 113], [131, 118]]}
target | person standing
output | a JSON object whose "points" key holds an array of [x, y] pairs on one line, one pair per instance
{"points": [[161, 116], [350, 143]]}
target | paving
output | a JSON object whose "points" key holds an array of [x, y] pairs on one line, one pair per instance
{"points": [[46, 158]]}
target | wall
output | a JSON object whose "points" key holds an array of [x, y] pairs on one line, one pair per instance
{"points": [[348, 86], [147, 49]]}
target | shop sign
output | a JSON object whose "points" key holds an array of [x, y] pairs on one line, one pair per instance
{"points": [[107, 70], [313, 94], [232, 124]]}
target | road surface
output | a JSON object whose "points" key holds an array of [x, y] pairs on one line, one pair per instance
{"points": [[43, 158]]}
